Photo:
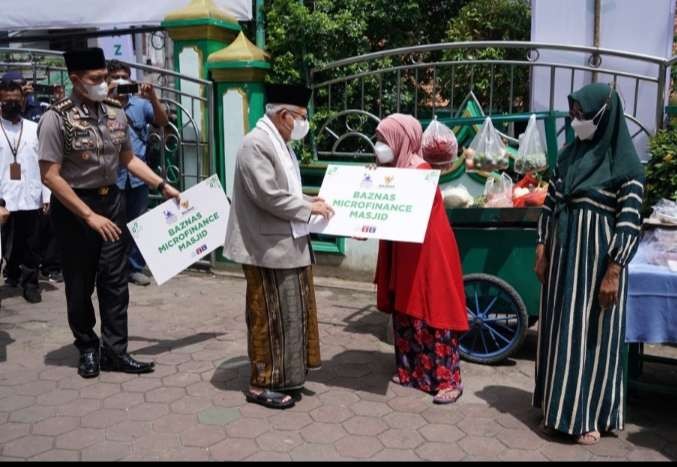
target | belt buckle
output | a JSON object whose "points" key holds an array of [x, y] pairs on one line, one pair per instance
{"points": [[103, 191]]}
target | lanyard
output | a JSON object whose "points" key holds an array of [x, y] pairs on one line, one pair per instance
{"points": [[14, 149]]}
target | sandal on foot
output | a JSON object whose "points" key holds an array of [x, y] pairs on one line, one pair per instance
{"points": [[396, 379], [589, 438], [271, 399], [445, 396]]}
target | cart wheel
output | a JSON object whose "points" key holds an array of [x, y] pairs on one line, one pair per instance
{"points": [[497, 317]]}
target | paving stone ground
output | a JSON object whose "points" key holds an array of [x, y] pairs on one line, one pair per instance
{"points": [[192, 407]]}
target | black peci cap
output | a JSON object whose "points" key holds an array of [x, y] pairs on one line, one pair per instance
{"points": [[85, 59], [293, 94]]}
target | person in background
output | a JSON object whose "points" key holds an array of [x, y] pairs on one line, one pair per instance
{"points": [[32, 108], [50, 265], [587, 234], [421, 284], [142, 110], [50, 260], [268, 234], [22, 191], [59, 93]]}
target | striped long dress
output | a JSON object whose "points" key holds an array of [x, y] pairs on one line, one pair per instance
{"points": [[579, 374]]}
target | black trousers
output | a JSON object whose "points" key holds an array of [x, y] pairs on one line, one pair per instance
{"points": [[88, 261], [50, 261], [21, 247]]}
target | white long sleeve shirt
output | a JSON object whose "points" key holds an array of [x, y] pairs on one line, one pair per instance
{"points": [[28, 193]]}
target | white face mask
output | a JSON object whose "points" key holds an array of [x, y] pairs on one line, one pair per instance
{"points": [[585, 129], [96, 92], [383, 153], [300, 129]]}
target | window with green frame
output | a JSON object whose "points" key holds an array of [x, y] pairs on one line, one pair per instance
{"points": [[328, 244]]}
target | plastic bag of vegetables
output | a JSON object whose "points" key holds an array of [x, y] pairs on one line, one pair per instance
{"points": [[498, 192], [457, 197], [487, 150], [531, 155], [439, 145]]}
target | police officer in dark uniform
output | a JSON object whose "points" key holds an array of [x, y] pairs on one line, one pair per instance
{"points": [[82, 141]]}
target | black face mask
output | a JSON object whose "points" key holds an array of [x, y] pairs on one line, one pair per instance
{"points": [[11, 110]]}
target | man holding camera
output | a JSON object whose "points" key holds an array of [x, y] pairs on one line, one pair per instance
{"points": [[142, 109]]}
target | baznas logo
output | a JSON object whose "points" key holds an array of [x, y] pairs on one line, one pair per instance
{"points": [[389, 179], [367, 182], [185, 207], [169, 216]]}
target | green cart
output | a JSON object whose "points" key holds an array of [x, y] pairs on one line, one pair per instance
{"points": [[497, 248]]}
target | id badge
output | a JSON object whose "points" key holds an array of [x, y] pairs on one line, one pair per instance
{"points": [[15, 171]]}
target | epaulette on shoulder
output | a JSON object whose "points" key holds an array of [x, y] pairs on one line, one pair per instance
{"points": [[62, 105], [112, 102]]}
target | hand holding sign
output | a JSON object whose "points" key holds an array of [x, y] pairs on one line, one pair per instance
{"points": [[321, 208]]}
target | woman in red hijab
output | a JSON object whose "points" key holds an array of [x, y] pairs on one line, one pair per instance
{"points": [[421, 284]]}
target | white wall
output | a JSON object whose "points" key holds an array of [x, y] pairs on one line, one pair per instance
{"points": [[358, 264], [644, 27], [41, 14]]}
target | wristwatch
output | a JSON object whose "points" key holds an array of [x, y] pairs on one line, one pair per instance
{"points": [[161, 186]]}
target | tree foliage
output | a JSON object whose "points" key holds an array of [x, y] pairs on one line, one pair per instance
{"points": [[305, 35], [302, 35], [493, 20]]}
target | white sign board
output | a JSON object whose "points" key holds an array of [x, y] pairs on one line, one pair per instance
{"points": [[173, 236], [384, 203]]}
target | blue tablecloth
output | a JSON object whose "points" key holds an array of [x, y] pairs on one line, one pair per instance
{"points": [[651, 313]]}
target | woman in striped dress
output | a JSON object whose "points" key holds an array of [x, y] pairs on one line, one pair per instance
{"points": [[587, 234]]}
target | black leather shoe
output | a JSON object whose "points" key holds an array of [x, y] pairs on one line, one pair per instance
{"points": [[89, 364], [124, 363], [32, 295]]}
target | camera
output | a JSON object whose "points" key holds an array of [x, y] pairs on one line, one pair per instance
{"points": [[128, 88], [44, 89]]}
